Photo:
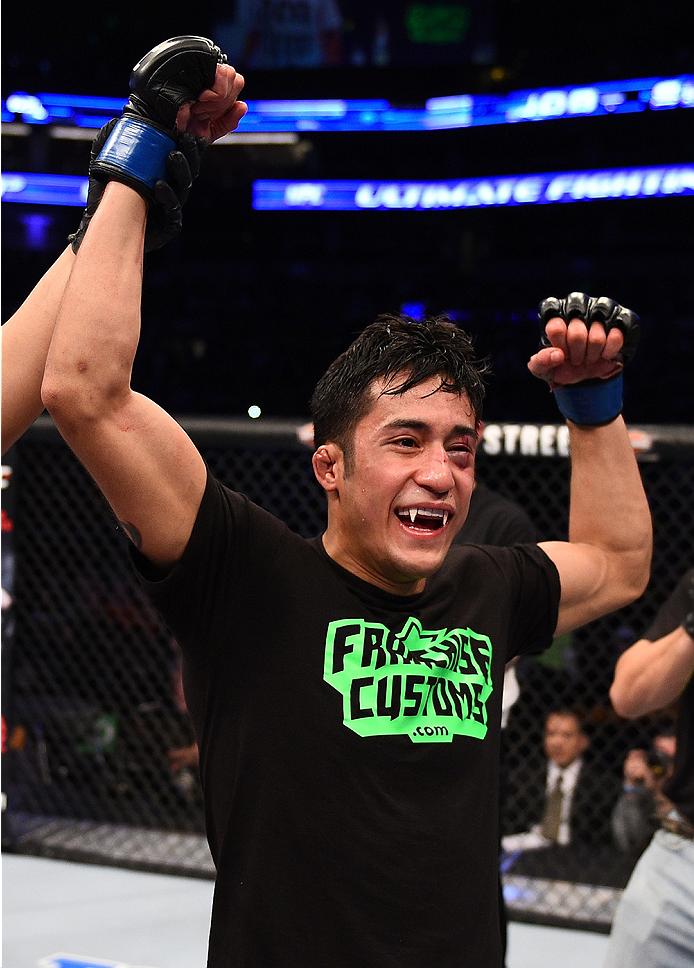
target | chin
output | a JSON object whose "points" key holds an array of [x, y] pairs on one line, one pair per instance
{"points": [[416, 567]]}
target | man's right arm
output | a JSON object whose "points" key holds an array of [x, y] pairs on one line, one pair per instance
{"points": [[147, 467]]}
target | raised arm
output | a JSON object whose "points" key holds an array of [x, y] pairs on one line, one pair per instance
{"points": [[606, 562], [27, 335], [147, 467]]}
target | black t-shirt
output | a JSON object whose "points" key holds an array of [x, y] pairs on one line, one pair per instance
{"points": [[349, 742], [679, 788]]}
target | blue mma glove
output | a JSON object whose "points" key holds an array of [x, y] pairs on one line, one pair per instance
{"points": [[170, 75], [164, 217], [596, 401]]}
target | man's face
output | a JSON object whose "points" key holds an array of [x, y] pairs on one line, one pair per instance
{"points": [[396, 509], [564, 740]]}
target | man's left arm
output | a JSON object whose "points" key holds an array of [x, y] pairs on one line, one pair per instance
{"points": [[605, 564]]}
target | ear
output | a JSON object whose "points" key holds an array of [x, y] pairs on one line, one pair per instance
{"points": [[328, 466]]}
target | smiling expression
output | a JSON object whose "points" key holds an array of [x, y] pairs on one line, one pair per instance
{"points": [[393, 513]]}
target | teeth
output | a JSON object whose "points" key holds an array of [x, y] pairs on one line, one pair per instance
{"points": [[427, 513]]}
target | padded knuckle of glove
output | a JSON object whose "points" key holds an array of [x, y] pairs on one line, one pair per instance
{"points": [[143, 149], [630, 326], [600, 309], [577, 305], [170, 75], [549, 309], [592, 401]]}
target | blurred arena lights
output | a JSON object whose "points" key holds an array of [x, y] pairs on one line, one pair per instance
{"points": [[36, 189], [534, 189], [338, 195], [68, 112]]}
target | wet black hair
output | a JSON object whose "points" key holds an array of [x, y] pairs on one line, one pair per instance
{"points": [[394, 346]]}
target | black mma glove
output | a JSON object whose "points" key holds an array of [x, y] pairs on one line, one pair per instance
{"points": [[164, 216], [170, 75], [95, 189], [597, 401]]}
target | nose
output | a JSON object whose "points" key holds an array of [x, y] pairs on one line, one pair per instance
{"points": [[435, 471]]}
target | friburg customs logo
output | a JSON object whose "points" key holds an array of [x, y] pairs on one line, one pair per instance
{"points": [[429, 685]]}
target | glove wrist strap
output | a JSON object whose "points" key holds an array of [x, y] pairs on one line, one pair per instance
{"points": [[591, 403], [135, 153]]}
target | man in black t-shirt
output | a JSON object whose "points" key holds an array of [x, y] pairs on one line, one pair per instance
{"points": [[346, 691], [654, 923]]}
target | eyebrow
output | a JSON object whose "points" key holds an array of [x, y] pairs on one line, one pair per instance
{"points": [[403, 423]]}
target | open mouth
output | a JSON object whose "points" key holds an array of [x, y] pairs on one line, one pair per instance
{"points": [[423, 519]]}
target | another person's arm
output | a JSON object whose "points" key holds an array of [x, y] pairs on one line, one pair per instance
{"points": [[26, 337], [652, 674]]}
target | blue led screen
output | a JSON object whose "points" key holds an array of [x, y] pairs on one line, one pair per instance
{"points": [[336, 195], [547, 188], [336, 114]]}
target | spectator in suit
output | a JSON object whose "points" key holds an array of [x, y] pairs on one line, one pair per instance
{"points": [[565, 801]]}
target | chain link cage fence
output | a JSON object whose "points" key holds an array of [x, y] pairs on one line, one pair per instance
{"points": [[99, 762]]}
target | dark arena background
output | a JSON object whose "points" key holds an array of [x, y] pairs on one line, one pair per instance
{"points": [[467, 158]]}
